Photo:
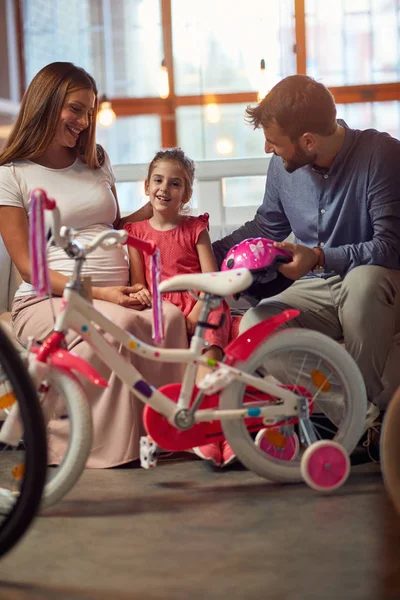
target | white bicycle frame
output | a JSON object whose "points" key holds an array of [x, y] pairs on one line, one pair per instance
{"points": [[50, 359], [80, 315]]}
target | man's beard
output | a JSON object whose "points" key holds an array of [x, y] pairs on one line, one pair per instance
{"points": [[300, 159]]}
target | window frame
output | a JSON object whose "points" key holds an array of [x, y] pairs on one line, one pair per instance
{"points": [[166, 108]]}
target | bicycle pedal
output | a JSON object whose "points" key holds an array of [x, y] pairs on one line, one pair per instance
{"points": [[148, 452], [216, 381]]}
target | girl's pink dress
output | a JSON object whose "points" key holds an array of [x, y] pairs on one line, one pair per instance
{"points": [[178, 256]]}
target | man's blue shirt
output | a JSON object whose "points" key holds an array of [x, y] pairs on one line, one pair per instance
{"points": [[351, 210]]}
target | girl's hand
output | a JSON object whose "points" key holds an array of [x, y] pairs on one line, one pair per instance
{"points": [[191, 321], [142, 294], [120, 294]]}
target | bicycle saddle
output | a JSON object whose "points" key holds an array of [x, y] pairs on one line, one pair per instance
{"points": [[219, 284]]}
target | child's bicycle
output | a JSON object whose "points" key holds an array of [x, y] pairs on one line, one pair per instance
{"points": [[281, 384]]}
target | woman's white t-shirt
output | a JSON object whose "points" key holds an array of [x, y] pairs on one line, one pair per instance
{"points": [[86, 203]]}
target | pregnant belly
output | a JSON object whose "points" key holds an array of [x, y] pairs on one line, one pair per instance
{"points": [[105, 267]]}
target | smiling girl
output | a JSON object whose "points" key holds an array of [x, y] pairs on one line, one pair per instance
{"points": [[185, 247]]}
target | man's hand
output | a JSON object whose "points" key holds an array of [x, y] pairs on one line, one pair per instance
{"points": [[303, 260], [121, 295]]}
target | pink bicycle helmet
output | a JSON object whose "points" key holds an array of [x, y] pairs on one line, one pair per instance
{"points": [[260, 256]]}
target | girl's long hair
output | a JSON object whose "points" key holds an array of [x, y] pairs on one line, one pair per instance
{"points": [[41, 106]]}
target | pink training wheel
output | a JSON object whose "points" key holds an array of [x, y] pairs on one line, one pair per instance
{"points": [[277, 445], [325, 465]]}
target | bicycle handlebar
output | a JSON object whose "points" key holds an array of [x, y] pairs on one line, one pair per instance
{"points": [[120, 237], [63, 236], [141, 245]]}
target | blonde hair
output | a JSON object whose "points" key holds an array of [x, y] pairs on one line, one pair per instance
{"points": [[41, 106]]}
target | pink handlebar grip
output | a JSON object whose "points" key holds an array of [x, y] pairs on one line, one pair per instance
{"points": [[49, 203], [147, 247]]}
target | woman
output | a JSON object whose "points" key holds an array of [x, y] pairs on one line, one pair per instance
{"points": [[52, 145]]}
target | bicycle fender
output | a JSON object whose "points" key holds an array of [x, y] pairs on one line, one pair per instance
{"points": [[243, 346], [69, 361]]}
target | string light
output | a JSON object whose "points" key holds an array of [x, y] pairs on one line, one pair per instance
{"points": [[106, 116], [263, 86], [213, 113], [164, 81], [224, 146]]}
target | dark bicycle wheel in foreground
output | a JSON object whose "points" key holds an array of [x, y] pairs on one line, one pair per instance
{"points": [[22, 464]]}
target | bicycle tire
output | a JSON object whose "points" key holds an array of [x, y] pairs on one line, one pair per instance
{"points": [[66, 474], [390, 449], [346, 371], [17, 521]]}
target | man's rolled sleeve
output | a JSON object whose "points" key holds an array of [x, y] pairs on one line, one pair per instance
{"points": [[336, 260]]}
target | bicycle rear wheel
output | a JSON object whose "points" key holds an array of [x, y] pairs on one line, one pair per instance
{"points": [[299, 357], [22, 468]]}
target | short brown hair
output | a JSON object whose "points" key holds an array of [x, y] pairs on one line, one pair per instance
{"points": [[40, 111], [297, 104], [186, 163]]}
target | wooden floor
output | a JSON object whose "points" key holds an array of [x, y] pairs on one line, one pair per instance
{"points": [[186, 531]]}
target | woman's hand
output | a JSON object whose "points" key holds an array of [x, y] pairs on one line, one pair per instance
{"points": [[142, 294], [121, 295], [142, 214]]}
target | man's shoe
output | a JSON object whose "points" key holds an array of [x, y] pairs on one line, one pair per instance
{"points": [[372, 440]]}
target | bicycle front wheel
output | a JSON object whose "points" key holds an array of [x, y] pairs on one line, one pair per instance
{"points": [[299, 357], [73, 406], [390, 449], [23, 466]]}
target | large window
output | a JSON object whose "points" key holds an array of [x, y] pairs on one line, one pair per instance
{"points": [[354, 42], [384, 116], [213, 50], [217, 131], [118, 41], [218, 44], [131, 140]]}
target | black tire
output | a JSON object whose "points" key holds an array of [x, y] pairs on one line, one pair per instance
{"points": [[15, 523]]}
